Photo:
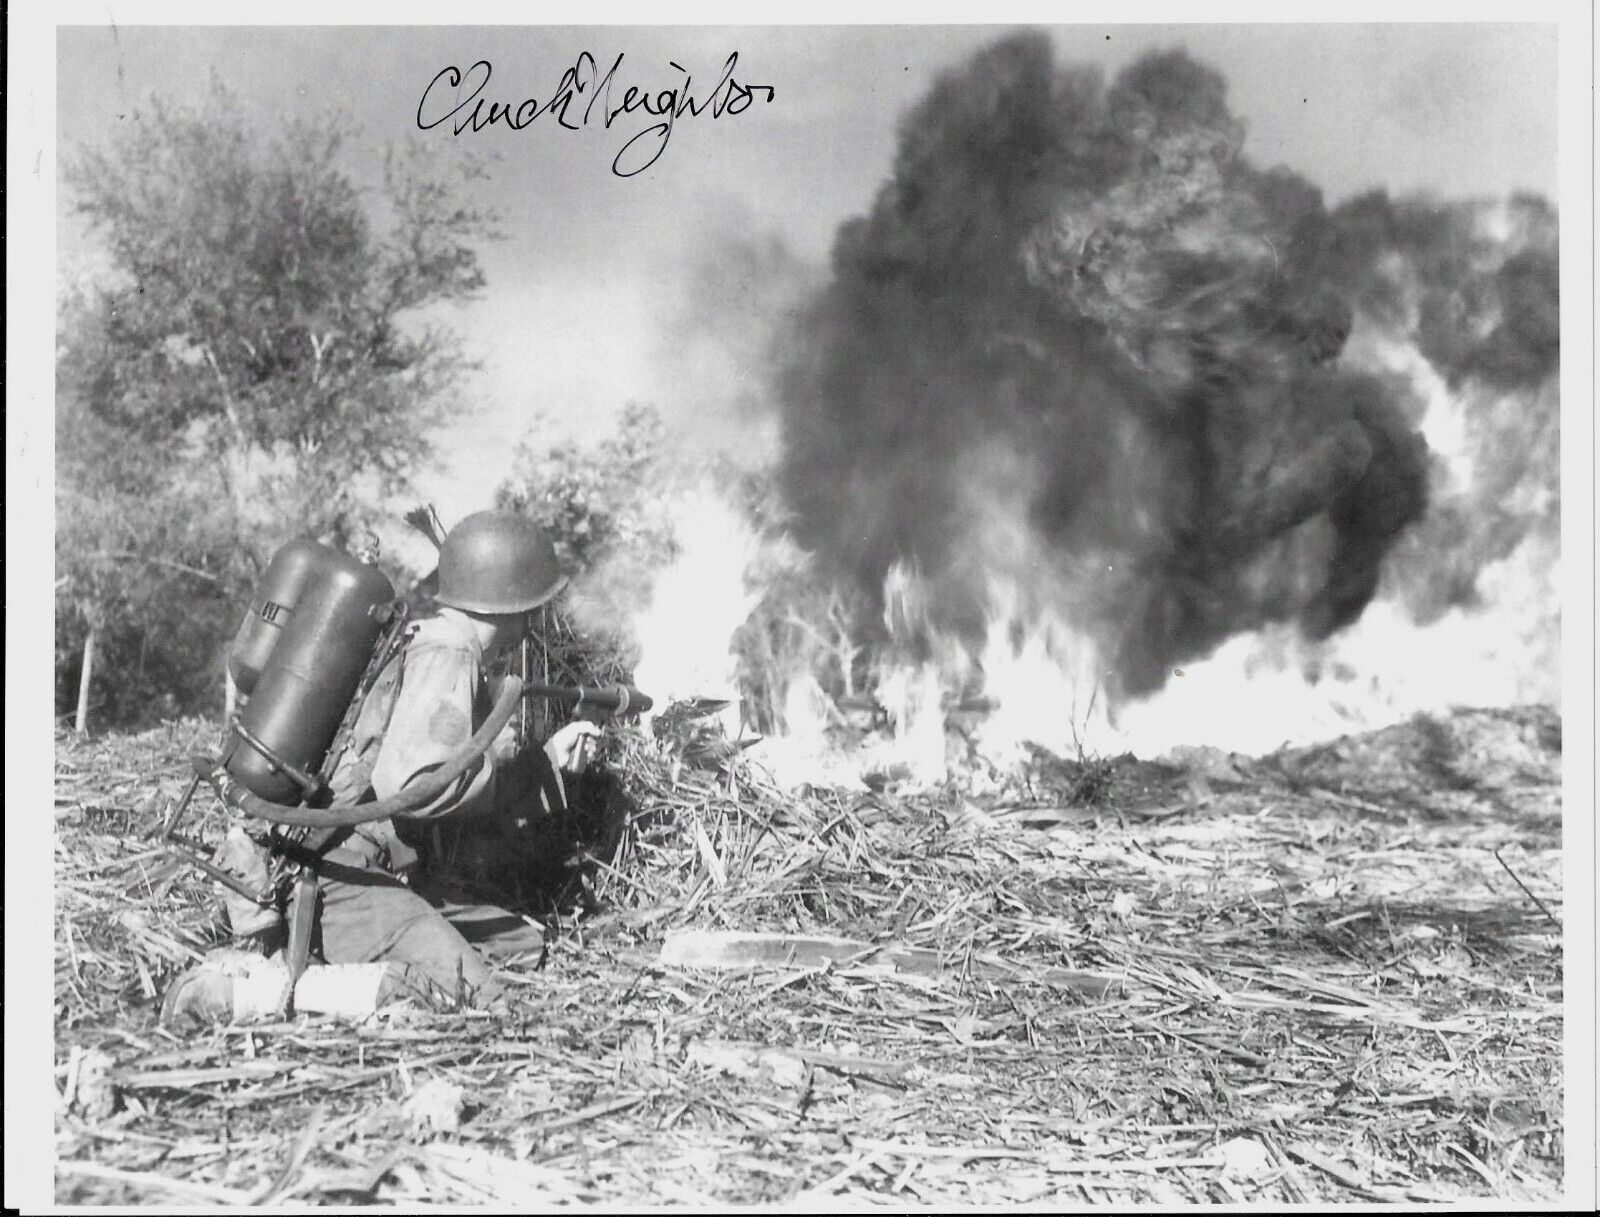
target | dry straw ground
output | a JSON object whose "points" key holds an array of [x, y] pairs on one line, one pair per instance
{"points": [[1331, 975]]}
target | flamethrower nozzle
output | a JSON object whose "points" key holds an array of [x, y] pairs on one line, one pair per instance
{"points": [[615, 700]]}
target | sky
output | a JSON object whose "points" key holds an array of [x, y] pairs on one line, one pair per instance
{"points": [[589, 295]]}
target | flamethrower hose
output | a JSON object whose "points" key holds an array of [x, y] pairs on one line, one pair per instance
{"points": [[408, 800]]}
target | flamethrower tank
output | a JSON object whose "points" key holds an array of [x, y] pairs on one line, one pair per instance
{"points": [[280, 589], [300, 656]]}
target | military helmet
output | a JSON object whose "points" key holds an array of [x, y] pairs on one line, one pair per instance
{"points": [[497, 562]]}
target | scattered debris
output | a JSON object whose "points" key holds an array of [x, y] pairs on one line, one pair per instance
{"points": [[435, 1108], [756, 996], [90, 1090]]}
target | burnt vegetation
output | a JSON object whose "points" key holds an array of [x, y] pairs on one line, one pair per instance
{"points": [[1318, 977]]}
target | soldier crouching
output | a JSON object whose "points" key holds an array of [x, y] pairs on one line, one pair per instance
{"points": [[495, 568]]}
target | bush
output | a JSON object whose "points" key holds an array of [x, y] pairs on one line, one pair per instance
{"points": [[602, 505], [609, 508], [253, 365]]}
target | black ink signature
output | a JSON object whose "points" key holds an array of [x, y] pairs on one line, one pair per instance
{"points": [[473, 113]]}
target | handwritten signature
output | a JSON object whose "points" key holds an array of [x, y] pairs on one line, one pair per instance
{"points": [[475, 113]]}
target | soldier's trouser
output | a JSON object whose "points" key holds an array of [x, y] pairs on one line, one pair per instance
{"points": [[366, 916]]}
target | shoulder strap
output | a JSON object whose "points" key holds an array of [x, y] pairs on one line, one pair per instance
{"points": [[352, 769]]}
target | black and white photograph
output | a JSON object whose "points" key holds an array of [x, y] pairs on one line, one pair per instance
{"points": [[815, 615]]}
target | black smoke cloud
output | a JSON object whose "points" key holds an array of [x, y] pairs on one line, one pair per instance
{"points": [[1081, 342], [1474, 287]]}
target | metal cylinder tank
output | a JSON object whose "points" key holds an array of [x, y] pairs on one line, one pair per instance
{"points": [[279, 590], [312, 670]]}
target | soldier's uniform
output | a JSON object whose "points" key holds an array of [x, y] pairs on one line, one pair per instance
{"points": [[423, 708], [425, 705], [427, 702]]}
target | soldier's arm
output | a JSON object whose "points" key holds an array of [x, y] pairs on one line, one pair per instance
{"points": [[432, 720]]}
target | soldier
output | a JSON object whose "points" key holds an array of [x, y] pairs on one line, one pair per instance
{"points": [[495, 568]]}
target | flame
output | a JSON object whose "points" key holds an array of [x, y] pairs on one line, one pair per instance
{"points": [[1260, 692], [1046, 681], [802, 754], [697, 602], [913, 696], [1256, 693], [1038, 678], [1467, 614]]}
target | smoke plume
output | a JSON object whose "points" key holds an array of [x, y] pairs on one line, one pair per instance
{"points": [[725, 311], [1080, 343]]}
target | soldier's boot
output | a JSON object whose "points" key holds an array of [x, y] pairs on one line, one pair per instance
{"points": [[229, 986]]}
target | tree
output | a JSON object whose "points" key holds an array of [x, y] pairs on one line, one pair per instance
{"points": [[598, 502], [145, 572], [263, 358], [602, 506]]}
